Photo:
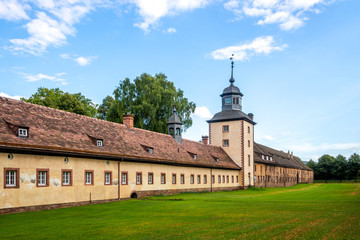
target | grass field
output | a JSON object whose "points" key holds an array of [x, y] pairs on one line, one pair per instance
{"points": [[317, 211]]}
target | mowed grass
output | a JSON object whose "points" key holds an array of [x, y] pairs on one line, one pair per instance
{"points": [[305, 211]]}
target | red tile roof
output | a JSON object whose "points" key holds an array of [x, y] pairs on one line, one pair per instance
{"points": [[55, 131]]}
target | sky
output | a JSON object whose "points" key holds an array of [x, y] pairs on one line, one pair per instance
{"points": [[297, 62]]}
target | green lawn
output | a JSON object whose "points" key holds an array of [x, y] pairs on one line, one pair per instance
{"points": [[305, 211]]}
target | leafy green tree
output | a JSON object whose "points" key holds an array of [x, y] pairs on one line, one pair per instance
{"points": [[151, 100], [55, 98], [339, 168], [325, 166], [354, 165], [103, 109]]}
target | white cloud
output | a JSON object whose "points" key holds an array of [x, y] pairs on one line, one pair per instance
{"points": [[82, 61], [37, 77], [260, 45], [266, 137], [13, 10], [326, 147], [2, 94], [289, 14], [171, 30], [203, 112], [152, 11]]}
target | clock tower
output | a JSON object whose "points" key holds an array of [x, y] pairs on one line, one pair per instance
{"points": [[233, 130]]}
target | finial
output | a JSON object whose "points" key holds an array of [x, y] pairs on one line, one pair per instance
{"points": [[174, 109], [232, 69]]}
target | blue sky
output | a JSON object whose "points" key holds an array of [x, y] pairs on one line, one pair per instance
{"points": [[297, 61]]}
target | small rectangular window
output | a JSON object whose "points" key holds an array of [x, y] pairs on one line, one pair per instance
{"points": [[227, 179], [205, 179], [249, 160], [12, 177], [223, 179], [219, 179], [124, 178], [213, 179], [42, 177], [99, 142], [248, 129], [163, 178], [199, 179], [226, 128], [174, 179], [108, 177], [192, 179], [225, 143], [151, 178], [254, 167], [267, 158], [23, 132], [232, 179], [262, 157], [66, 177], [237, 179], [182, 178], [89, 177], [248, 143], [151, 150], [138, 178]]}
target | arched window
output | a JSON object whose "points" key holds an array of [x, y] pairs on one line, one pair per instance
{"points": [[178, 131], [171, 131]]}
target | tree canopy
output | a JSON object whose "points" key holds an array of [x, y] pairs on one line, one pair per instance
{"points": [[150, 99], [55, 98], [336, 168]]}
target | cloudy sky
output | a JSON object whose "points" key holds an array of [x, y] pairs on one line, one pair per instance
{"points": [[297, 61]]}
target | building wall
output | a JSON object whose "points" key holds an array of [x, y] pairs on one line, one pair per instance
{"points": [[29, 194], [238, 149]]}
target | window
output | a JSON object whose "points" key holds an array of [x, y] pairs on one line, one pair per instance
{"points": [[232, 179], [226, 128], [270, 158], [248, 129], [225, 143], [124, 178], [254, 167], [237, 179], [223, 178], [227, 179], [42, 177], [150, 178], [262, 157], [213, 179], [249, 162], [192, 178], [108, 177], [248, 143], [219, 179], [151, 150], [174, 179], [99, 142], [163, 178], [193, 155], [199, 179], [182, 178], [66, 177], [148, 149], [89, 178], [254, 179], [138, 178], [267, 158], [205, 179], [23, 132], [11, 177]]}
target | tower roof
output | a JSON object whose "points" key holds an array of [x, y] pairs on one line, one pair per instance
{"points": [[174, 119], [232, 89]]}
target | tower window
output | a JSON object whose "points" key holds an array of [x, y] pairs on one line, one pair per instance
{"points": [[249, 162], [225, 143], [226, 128], [248, 143], [248, 129], [178, 131]]}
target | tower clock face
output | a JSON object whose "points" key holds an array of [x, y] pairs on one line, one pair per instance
{"points": [[227, 100]]}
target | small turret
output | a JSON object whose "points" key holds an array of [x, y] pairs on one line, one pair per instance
{"points": [[174, 126]]}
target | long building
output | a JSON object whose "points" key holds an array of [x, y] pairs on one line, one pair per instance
{"points": [[52, 158]]}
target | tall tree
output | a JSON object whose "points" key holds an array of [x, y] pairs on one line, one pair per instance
{"points": [[354, 165], [151, 100], [55, 98]]}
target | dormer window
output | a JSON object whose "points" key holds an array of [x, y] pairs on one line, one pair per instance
{"points": [[193, 155], [270, 158], [99, 142], [23, 132], [262, 157], [216, 159], [148, 149], [267, 158], [151, 150]]}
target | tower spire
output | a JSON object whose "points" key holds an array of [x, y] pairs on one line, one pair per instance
{"points": [[232, 80]]}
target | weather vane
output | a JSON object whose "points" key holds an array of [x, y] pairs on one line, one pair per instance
{"points": [[232, 68]]}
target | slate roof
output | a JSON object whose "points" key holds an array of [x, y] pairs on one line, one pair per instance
{"points": [[230, 115], [280, 158], [232, 89], [57, 132]]}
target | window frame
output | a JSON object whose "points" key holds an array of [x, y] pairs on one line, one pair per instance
{"points": [[182, 178], [232, 178], [152, 178], [227, 141], [249, 160], [248, 129], [105, 173], [17, 178], [126, 174], [198, 179], [172, 178], [70, 177], [42, 170], [213, 179], [161, 178], [227, 179], [219, 179], [205, 179], [92, 177], [248, 143], [21, 129], [138, 174], [237, 179], [223, 178], [192, 179], [225, 128], [99, 141]]}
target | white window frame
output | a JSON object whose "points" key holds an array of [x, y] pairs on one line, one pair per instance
{"points": [[191, 179], [182, 178], [23, 132], [163, 178], [42, 178], [262, 157], [66, 178], [138, 178], [174, 179], [88, 178], [124, 177], [195, 156], [107, 178], [10, 178], [150, 178], [99, 143], [151, 150]]}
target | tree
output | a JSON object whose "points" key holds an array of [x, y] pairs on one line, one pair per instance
{"points": [[354, 165], [103, 109], [325, 166], [151, 100], [55, 98]]}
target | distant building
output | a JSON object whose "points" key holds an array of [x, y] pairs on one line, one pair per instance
{"points": [[51, 158]]}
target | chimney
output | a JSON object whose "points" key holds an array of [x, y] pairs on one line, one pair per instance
{"points": [[205, 140], [251, 116], [128, 120]]}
